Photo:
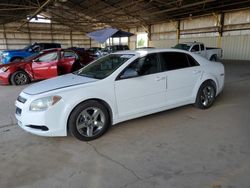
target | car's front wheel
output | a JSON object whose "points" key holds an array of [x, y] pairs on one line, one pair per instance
{"points": [[88, 121], [206, 95], [19, 78]]}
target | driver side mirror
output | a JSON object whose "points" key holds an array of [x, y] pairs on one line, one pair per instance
{"points": [[129, 73]]}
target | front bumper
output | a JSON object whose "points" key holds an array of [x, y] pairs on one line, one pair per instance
{"points": [[4, 77], [44, 123]]}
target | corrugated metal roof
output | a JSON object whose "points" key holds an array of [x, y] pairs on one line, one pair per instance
{"points": [[90, 15]]}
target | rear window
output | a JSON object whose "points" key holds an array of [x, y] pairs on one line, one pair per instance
{"points": [[182, 46], [176, 60], [195, 48]]}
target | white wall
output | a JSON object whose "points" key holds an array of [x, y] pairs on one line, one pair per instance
{"points": [[235, 41], [10, 38]]}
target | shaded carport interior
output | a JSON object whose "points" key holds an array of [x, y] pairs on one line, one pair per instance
{"points": [[179, 148], [72, 19]]}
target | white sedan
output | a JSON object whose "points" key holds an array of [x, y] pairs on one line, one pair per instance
{"points": [[116, 88]]}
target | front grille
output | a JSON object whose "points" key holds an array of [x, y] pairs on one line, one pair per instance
{"points": [[18, 111], [21, 99]]}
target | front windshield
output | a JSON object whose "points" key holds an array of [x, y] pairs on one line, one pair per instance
{"points": [[31, 57], [182, 46], [104, 66], [27, 47]]}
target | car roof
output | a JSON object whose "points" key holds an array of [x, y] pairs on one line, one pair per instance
{"points": [[143, 52], [50, 50], [149, 50], [190, 43]]}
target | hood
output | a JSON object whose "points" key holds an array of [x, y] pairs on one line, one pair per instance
{"points": [[17, 64], [9, 51], [57, 83]]}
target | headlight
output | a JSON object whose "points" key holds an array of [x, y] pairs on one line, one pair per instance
{"points": [[5, 54], [44, 103], [4, 69]]}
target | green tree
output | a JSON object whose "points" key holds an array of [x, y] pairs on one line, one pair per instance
{"points": [[141, 43]]}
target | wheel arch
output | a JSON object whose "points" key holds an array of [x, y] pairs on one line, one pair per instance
{"points": [[101, 101], [213, 56], [205, 77], [19, 69], [15, 57], [213, 83]]}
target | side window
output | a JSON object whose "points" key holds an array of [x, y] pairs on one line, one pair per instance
{"points": [[48, 57], [202, 47], [192, 61], [173, 61], [148, 65], [145, 65], [195, 48], [37, 48], [67, 54]]}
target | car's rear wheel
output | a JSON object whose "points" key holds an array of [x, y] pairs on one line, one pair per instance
{"points": [[206, 95], [213, 58], [88, 121], [19, 78]]}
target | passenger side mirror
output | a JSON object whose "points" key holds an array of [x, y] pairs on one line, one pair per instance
{"points": [[129, 73]]}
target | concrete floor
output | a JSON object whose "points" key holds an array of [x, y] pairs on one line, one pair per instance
{"points": [[181, 148]]}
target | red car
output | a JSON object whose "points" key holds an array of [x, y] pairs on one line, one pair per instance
{"points": [[47, 64]]}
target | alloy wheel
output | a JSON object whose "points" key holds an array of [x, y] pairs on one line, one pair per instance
{"points": [[90, 122], [207, 96], [21, 79]]}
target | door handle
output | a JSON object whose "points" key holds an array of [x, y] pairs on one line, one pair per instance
{"points": [[196, 71], [159, 78]]}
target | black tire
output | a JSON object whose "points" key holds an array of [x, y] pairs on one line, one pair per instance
{"points": [[213, 58], [16, 59], [82, 120], [19, 78], [206, 95]]}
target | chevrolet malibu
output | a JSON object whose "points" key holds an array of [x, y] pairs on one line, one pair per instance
{"points": [[116, 88]]}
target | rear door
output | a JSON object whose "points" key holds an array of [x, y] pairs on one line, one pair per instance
{"points": [[144, 92], [182, 73], [45, 66]]}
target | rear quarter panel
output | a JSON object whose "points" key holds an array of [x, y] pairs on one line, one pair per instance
{"points": [[210, 71]]}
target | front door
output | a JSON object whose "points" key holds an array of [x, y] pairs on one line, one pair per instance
{"points": [[45, 66], [144, 92]]}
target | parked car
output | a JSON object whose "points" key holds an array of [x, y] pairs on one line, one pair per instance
{"points": [[113, 48], [118, 87], [77, 49], [94, 51], [8, 56], [212, 54], [46, 64]]}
